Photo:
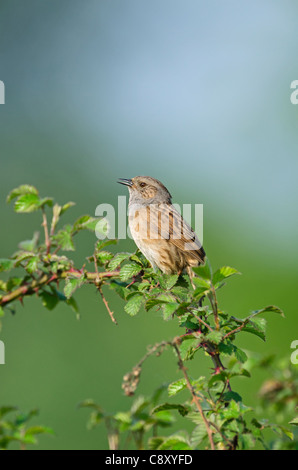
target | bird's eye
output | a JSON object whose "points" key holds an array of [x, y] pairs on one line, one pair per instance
{"points": [[142, 185]]}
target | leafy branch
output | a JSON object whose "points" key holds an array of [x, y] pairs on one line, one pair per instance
{"points": [[216, 410]]}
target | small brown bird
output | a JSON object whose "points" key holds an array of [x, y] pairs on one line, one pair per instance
{"points": [[159, 231]]}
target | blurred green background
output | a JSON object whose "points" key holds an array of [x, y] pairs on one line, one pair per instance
{"points": [[194, 93]]}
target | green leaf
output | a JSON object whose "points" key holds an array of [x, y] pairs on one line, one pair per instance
{"points": [[214, 336], [30, 245], [167, 281], [27, 203], [134, 304], [169, 308], [153, 302], [204, 271], [20, 191], [120, 288], [223, 273], [294, 422], [73, 304], [49, 300], [240, 355], [232, 411], [228, 396], [199, 433], [175, 443], [187, 347], [221, 377], [155, 442], [32, 264], [46, 201], [270, 308], [6, 409], [129, 270], [66, 206], [247, 440], [33, 430], [117, 260], [176, 387], [64, 238], [86, 222], [72, 284], [103, 256], [183, 410], [6, 264], [199, 282]]}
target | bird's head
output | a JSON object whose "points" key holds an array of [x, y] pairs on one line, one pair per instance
{"points": [[146, 190]]}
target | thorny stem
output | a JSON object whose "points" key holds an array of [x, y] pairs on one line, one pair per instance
{"points": [[194, 395], [107, 306], [33, 287]]}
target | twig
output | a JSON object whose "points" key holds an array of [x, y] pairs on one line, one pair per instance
{"points": [[214, 305], [193, 393], [236, 330], [203, 322], [107, 306], [46, 231], [32, 287]]}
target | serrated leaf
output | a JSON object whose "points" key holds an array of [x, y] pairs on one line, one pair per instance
{"points": [[240, 355], [223, 273], [232, 411], [86, 222], [134, 304], [64, 238], [169, 308], [27, 203], [198, 435], [270, 308], [176, 387], [167, 281], [117, 260], [103, 256], [129, 270], [187, 346], [72, 284], [32, 264], [21, 190], [214, 336]]}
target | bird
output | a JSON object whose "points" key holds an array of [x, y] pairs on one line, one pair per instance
{"points": [[166, 240]]}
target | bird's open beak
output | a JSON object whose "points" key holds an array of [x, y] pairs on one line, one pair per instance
{"points": [[126, 182]]}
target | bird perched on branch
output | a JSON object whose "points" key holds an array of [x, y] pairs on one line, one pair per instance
{"points": [[159, 231]]}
